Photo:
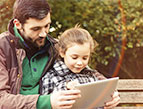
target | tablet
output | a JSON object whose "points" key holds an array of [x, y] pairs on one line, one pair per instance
{"points": [[95, 94]]}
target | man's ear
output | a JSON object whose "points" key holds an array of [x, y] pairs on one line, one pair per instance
{"points": [[17, 24]]}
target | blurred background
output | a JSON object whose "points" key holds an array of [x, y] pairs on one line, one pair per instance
{"points": [[117, 26]]}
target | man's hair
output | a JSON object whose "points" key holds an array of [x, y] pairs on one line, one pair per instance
{"points": [[76, 35], [25, 9]]}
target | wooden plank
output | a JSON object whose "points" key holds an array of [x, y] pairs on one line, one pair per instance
{"points": [[128, 108], [131, 97], [131, 92], [130, 84]]}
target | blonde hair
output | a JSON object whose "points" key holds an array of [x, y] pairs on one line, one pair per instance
{"points": [[76, 35]]}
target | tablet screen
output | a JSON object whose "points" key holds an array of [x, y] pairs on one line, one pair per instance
{"points": [[95, 94]]}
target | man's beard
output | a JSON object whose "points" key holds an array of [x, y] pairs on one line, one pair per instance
{"points": [[30, 42], [40, 42], [35, 44]]}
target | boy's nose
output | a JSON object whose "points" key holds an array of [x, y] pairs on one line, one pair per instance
{"points": [[79, 62]]}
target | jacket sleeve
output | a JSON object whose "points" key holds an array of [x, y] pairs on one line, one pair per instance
{"points": [[47, 83], [9, 100], [97, 75]]}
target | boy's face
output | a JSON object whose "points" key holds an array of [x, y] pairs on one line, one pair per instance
{"points": [[77, 56], [36, 30]]}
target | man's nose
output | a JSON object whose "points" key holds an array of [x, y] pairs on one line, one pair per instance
{"points": [[43, 33]]}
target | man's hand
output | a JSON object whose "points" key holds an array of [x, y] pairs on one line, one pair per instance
{"points": [[115, 101], [64, 99]]}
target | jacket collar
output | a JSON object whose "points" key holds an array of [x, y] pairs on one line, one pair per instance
{"points": [[12, 35], [60, 68]]}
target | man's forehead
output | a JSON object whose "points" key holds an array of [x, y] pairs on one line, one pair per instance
{"points": [[36, 22]]}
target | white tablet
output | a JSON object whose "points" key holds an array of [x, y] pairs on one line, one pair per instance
{"points": [[95, 94]]}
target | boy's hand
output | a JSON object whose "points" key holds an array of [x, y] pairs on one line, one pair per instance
{"points": [[114, 102], [71, 84], [64, 99]]}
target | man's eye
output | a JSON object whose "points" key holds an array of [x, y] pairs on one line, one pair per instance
{"points": [[48, 25], [36, 29]]}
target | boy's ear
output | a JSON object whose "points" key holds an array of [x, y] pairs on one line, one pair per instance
{"points": [[17, 24], [61, 52]]}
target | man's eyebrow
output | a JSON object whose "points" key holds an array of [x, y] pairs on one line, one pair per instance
{"points": [[47, 24], [36, 27], [40, 26]]}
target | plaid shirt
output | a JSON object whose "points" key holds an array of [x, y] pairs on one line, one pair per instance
{"points": [[56, 78]]}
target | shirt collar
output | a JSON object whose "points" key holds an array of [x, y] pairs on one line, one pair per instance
{"points": [[61, 68]]}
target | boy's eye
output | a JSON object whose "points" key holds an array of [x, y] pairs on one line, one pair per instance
{"points": [[85, 58], [74, 57]]}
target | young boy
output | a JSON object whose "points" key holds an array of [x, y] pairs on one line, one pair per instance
{"points": [[75, 48]]}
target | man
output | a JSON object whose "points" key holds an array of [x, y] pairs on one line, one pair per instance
{"points": [[26, 53]]}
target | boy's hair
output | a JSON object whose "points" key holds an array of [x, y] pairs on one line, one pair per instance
{"points": [[25, 9], [75, 35]]}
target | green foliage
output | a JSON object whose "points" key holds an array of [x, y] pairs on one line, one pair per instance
{"points": [[134, 22], [5, 13], [97, 17]]}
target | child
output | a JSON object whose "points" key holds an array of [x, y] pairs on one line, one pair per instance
{"points": [[75, 47]]}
